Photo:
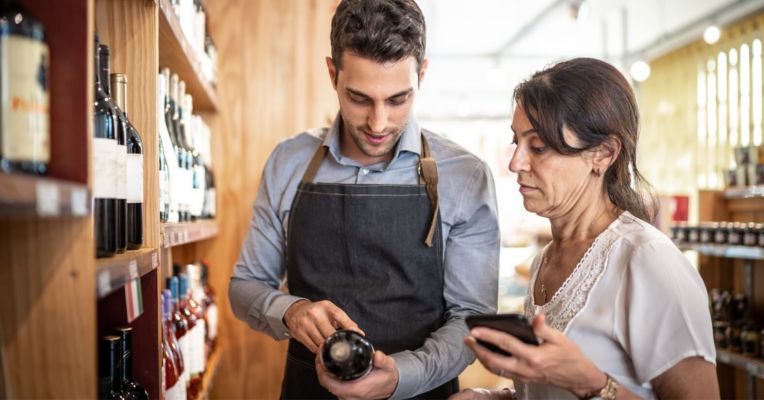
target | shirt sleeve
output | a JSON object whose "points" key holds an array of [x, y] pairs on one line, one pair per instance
{"points": [[254, 289], [471, 273], [666, 310]]}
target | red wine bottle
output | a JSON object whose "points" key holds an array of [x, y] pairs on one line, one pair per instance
{"points": [[131, 388]]}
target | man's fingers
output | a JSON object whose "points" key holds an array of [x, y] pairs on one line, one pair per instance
{"points": [[343, 321]]}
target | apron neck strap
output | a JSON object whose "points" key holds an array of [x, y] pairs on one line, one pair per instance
{"points": [[428, 176]]}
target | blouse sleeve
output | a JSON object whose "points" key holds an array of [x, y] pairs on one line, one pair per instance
{"points": [[666, 315]]}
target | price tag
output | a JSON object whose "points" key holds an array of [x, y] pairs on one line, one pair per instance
{"points": [[79, 199], [47, 199], [132, 270], [104, 282]]}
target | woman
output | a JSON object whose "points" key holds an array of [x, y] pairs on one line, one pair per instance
{"points": [[619, 310]]}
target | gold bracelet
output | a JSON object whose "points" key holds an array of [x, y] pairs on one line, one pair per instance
{"points": [[608, 392]]}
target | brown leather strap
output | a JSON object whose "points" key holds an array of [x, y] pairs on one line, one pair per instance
{"points": [[315, 163], [428, 171]]}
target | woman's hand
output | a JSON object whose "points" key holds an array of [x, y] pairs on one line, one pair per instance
{"points": [[557, 361]]}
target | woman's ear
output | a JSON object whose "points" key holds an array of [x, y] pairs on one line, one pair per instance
{"points": [[605, 155]]}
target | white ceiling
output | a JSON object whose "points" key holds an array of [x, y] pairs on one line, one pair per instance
{"points": [[480, 49]]}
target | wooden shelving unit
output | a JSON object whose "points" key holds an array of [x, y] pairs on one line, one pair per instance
{"points": [[114, 272], [176, 53], [754, 366], [177, 234], [28, 195], [718, 250], [744, 192]]}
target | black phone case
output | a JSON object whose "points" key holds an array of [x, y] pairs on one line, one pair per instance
{"points": [[514, 324]]}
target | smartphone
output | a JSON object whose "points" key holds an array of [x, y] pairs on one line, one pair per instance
{"points": [[514, 324]]}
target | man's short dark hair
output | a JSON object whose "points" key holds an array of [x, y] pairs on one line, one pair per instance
{"points": [[379, 30]]}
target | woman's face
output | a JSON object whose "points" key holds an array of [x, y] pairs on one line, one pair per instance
{"points": [[551, 183]]}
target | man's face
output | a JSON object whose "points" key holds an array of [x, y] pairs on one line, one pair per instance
{"points": [[376, 101]]}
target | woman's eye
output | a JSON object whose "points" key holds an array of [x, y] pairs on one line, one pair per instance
{"points": [[538, 150]]}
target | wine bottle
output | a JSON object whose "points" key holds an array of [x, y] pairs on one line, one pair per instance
{"points": [[166, 152], [210, 308], [120, 173], [196, 341], [175, 388], [347, 355], [134, 166], [104, 166], [182, 329], [24, 92], [110, 369], [131, 388]]}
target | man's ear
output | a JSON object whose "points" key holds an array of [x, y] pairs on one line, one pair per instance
{"points": [[606, 153], [422, 70], [332, 71]]}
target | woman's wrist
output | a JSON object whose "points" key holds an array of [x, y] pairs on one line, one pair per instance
{"points": [[594, 384]]}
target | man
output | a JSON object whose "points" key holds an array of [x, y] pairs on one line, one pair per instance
{"points": [[371, 232]]}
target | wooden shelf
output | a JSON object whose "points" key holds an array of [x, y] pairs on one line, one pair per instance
{"points": [[754, 366], [113, 272], [176, 53], [744, 192], [209, 374], [176, 234], [720, 250], [25, 195]]}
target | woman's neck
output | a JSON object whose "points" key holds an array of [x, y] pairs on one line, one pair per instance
{"points": [[585, 222]]}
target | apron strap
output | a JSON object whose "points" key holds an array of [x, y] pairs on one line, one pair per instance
{"points": [[428, 176], [315, 163], [428, 171]]}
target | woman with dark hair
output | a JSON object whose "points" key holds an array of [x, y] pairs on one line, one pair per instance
{"points": [[619, 311]]}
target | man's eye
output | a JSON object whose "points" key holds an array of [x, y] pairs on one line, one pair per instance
{"points": [[359, 100], [397, 101]]}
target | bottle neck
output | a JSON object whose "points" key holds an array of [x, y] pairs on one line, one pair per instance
{"points": [[116, 368]]}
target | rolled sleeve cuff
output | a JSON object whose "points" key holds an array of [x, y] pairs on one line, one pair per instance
{"points": [[408, 367], [275, 315]]}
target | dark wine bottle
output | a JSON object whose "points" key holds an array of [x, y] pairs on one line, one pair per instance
{"points": [[131, 388], [120, 173], [347, 355], [134, 172], [110, 369], [164, 168], [24, 90], [104, 165]]}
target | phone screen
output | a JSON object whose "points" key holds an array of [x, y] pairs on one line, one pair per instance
{"points": [[514, 324]]}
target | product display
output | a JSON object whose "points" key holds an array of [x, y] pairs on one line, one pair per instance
{"points": [[24, 92], [749, 234]]}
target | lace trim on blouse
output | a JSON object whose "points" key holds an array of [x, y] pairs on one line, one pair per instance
{"points": [[573, 295]]}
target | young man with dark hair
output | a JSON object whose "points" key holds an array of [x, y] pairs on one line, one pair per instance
{"points": [[378, 225]]}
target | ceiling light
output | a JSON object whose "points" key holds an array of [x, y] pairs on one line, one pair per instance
{"points": [[711, 34], [640, 71]]}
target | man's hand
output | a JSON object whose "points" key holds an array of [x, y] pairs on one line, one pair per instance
{"points": [[312, 322], [380, 383]]}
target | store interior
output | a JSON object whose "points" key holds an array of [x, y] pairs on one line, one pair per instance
{"points": [[255, 74]]}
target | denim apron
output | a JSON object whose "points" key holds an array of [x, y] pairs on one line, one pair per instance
{"points": [[376, 252]]}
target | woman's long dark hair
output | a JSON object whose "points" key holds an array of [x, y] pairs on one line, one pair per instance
{"points": [[595, 101]]}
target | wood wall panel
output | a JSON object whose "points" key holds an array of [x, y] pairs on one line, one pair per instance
{"points": [[272, 84]]}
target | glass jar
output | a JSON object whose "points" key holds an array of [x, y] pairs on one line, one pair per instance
{"points": [[750, 339], [693, 234], [721, 233], [720, 333], [751, 234], [707, 231], [732, 335], [735, 234]]}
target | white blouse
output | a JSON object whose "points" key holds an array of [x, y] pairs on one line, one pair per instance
{"points": [[633, 304]]}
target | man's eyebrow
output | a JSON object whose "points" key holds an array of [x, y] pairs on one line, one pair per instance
{"points": [[361, 94]]}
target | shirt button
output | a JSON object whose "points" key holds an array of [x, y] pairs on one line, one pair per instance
{"points": [[364, 171]]}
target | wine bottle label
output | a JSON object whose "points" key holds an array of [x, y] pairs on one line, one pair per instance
{"points": [[121, 173], [212, 318], [104, 168], [135, 178], [177, 391], [24, 120], [185, 350]]}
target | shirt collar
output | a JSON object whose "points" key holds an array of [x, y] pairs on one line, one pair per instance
{"points": [[410, 141]]}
